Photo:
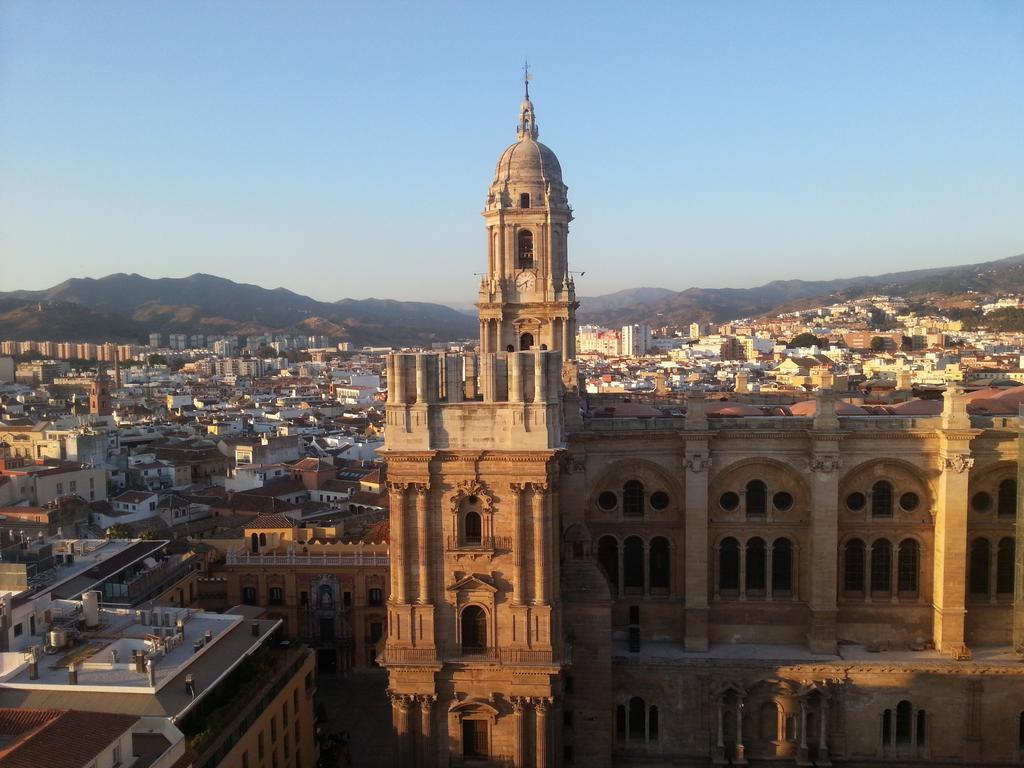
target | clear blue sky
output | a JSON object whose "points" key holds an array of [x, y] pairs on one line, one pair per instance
{"points": [[345, 149]]}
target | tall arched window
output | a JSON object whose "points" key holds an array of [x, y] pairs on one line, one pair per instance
{"points": [[524, 200], [881, 499], [1007, 502], [907, 568], [633, 565], [1004, 566], [903, 715], [853, 566], [608, 557], [254, 543], [729, 565], [633, 499], [755, 565], [526, 342], [881, 566], [525, 249], [263, 539], [474, 629], [757, 498], [978, 574], [782, 566], [637, 719], [659, 564], [768, 721], [473, 528]]}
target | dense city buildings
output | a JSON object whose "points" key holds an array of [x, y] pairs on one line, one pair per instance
{"points": [[806, 559]]}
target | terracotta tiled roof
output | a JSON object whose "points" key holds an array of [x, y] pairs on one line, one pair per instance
{"points": [[45, 736], [272, 521]]}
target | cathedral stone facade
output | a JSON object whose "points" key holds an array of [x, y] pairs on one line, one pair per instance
{"points": [[575, 582]]}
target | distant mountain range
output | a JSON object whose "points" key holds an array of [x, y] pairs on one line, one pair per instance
{"points": [[128, 308], [941, 286]]}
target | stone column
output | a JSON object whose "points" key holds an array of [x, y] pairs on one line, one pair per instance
{"points": [[869, 548], [769, 551], [823, 545], [428, 753], [519, 725], [803, 731], [823, 734], [423, 538], [400, 704], [518, 545], [695, 544], [743, 570], [741, 750], [949, 584], [541, 714], [399, 592], [538, 500], [647, 568]]}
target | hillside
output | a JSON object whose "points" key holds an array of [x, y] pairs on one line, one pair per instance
{"points": [[127, 307], [940, 285]]}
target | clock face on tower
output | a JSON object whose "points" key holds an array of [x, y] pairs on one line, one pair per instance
{"points": [[526, 280]]}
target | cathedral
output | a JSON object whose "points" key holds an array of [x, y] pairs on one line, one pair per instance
{"points": [[580, 582]]}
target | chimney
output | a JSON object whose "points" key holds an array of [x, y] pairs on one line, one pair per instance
{"points": [[207, 637], [190, 685], [72, 673], [255, 629], [151, 673]]}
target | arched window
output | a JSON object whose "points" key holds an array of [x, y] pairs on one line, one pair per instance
{"points": [[1007, 502], [526, 342], [881, 566], [881, 499], [637, 719], [325, 597], [659, 564], [474, 629], [729, 564], [525, 249], [633, 499], [1004, 567], [633, 565], [768, 721], [255, 543], [853, 566], [757, 498], [782, 566], [608, 558], [755, 565], [978, 574], [903, 715], [524, 200], [907, 568], [263, 539], [472, 528]]}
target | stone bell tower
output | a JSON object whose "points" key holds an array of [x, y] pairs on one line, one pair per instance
{"points": [[475, 650], [527, 297]]}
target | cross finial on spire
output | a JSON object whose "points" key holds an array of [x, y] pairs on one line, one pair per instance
{"points": [[526, 76]]}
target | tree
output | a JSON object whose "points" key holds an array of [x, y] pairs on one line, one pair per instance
{"points": [[120, 531], [877, 343], [807, 340], [156, 360]]}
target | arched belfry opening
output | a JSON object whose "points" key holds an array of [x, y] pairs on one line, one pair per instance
{"points": [[525, 251], [526, 342]]}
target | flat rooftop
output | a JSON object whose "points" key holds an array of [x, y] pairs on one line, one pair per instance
{"points": [[107, 679]]}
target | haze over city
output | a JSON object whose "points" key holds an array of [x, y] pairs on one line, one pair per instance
{"points": [[717, 145]]}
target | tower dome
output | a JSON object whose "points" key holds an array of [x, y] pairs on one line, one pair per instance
{"points": [[528, 168]]}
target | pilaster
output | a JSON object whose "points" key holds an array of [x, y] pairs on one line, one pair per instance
{"points": [[824, 531], [697, 463]]}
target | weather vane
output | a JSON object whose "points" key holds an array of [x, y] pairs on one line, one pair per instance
{"points": [[527, 77]]}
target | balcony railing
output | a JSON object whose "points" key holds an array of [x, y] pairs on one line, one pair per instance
{"points": [[483, 544], [247, 558], [506, 656]]}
